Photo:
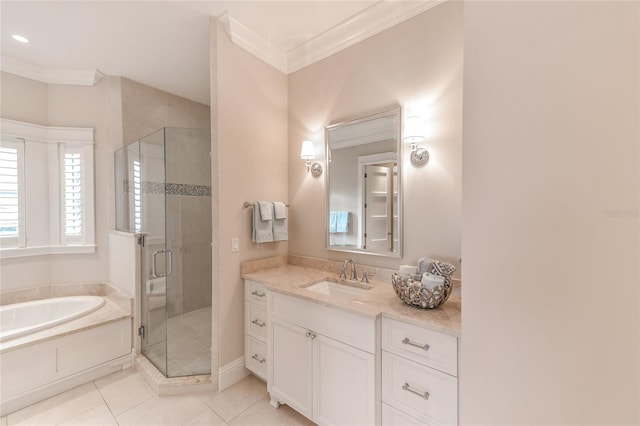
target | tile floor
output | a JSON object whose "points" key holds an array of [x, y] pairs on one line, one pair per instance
{"points": [[187, 343], [124, 399]]}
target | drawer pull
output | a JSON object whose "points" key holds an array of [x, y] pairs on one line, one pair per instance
{"points": [[255, 356], [258, 293], [258, 323], [406, 341], [423, 395]]}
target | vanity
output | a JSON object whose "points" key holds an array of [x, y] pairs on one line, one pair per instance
{"points": [[342, 352]]}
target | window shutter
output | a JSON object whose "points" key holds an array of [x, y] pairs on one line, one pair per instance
{"points": [[9, 197], [72, 194], [137, 196]]}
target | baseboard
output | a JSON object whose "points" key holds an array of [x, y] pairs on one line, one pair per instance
{"points": [[232, 373]]}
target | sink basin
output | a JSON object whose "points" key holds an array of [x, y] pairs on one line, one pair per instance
{"points": [[341, 291]]}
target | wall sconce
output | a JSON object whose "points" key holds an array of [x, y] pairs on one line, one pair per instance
{"points": [[308, 153], [413, 133]]}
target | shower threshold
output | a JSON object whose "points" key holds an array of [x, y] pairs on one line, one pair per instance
{"points": [[163, 386]]}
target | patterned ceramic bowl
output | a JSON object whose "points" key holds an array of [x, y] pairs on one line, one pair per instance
{"points": [[411, 291]]}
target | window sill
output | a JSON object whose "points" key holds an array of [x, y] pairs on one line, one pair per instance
{"points": [[12, 252]]}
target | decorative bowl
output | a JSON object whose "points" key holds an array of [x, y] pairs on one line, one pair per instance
{"points": [[410, 290]]}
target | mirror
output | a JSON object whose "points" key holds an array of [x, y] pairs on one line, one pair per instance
{"points": [[363, 185]]}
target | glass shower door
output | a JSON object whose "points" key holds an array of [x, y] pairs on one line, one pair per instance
{"points": [[188, 237], [155, 257]]}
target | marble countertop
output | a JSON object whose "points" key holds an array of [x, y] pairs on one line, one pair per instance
{"points": [[109, 312], [380, 300]]}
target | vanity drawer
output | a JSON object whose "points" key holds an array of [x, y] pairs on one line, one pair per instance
{"points": [[346, 327], [420, 391], [255, 292], [394, 417], [428, 347], [256, 321], [255, 358]]}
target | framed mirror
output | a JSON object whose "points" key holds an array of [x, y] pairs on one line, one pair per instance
{"points": [[364, 192]]}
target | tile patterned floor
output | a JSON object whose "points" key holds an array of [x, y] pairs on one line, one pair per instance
{"points": [[124, 399], [189, 338]]}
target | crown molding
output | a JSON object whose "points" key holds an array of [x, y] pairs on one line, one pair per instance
{"points": [[50, 75], [369, 22], [46, 134], [377, 18], [254, 43]]}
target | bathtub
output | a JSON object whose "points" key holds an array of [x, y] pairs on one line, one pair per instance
{"points": [[48, 346], [20, 319]]}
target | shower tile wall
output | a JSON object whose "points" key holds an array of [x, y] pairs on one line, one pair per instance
{"points": [[189, 226]]}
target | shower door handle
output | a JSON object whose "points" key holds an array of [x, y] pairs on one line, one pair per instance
{"points": [[169, 261]]}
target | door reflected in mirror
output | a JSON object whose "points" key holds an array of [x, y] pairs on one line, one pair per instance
{"points": [[363, 182]]}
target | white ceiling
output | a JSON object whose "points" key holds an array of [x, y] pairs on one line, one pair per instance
{"points": [[165, 44]]}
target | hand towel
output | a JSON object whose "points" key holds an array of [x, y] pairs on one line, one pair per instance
{"points": [[280, 210], [262, 229], [266, 210], [342, 221], [333, 222], [280, 232], [431, 281], [424, 265]]}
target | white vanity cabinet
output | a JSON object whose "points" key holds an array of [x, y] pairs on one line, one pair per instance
{"points": [[419, 375], [255, 328], [321, 361]]}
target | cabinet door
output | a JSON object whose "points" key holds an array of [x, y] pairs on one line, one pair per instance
{"points": [[344, 384], [290, 366]]}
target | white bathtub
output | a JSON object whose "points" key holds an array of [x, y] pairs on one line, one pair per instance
{"points": [[20, 319]]}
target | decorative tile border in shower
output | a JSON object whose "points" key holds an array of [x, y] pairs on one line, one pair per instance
{"points": [[170, 189]]}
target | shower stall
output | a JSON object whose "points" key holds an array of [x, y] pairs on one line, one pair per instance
{"points": [[163, 194]]}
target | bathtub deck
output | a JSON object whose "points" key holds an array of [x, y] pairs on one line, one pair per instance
{"points": [[110, 312]]}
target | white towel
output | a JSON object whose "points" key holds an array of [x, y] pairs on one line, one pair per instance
{"points": [[266, 210], [280, 232], [262, 229], [280, 210]]}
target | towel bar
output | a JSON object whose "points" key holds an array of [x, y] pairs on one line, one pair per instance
{"points": [[248, 204]]}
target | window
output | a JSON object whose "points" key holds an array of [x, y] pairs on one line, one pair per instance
{"points": [[46, 190], [137, 196], [72, 190], [12, 193]]}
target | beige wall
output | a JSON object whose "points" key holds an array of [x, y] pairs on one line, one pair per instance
{"points": [[416, 62], [57, 105], [550, 326], [146, 109], [249, 148]]}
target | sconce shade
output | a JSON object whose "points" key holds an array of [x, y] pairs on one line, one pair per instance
{"points": [[413, 130], [307, 152]]}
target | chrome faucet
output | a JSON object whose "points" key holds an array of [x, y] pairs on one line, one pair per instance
{"points": [[343, 274]]}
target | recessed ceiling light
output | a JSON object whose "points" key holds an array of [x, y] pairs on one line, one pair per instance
{"points": [[20, 38]]}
